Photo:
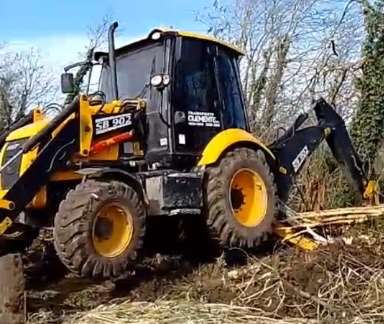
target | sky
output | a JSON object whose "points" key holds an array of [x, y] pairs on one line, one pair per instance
{"points": [[59, 28]]}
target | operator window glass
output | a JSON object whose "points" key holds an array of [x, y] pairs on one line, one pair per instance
{"points": [[134, 70], [93, 76], [195, 97], [194, 87], [230, 91]]}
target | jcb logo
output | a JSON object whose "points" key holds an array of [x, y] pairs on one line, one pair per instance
{"points": [[300, 158]]}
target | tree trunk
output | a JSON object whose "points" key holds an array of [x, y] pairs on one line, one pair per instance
{"points": [[12, 298]]}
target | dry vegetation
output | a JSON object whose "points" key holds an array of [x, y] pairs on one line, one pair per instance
{"points": [[340, 283]]}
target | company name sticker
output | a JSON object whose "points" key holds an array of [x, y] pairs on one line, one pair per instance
{"points": [[201, 118]]}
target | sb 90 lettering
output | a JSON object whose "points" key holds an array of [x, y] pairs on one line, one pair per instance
{"points": [[107, 124]]}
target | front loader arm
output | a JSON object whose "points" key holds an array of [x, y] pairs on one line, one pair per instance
{"points": [[54, 152], [294, 148], [75, 131]]}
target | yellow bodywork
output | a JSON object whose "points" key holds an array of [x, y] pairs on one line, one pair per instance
{"points": [[372, 191], [86, 127], [211, 39], [297, 239], [6, 204], [5, 224], [27, 158], [40, 121], [224, 140], [28, 130], [188, 34]]}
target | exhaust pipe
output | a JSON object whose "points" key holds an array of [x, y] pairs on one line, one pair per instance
{"points": [[112, 58]]}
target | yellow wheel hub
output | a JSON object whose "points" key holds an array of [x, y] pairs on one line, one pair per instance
{"points": [[249, 197], [112, 230]]}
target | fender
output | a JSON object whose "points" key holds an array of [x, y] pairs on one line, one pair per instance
{"points": [[228, 139], [118, 175]]}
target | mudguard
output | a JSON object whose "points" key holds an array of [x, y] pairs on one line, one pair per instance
{"points": [[228, 139]]}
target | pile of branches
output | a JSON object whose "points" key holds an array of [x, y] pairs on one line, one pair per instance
{"points": [[337, 283], [331, 223]]}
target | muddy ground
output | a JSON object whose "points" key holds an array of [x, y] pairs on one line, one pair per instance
{"points": [[342, 283]]}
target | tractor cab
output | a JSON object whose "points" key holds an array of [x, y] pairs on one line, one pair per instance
{"points": [[191, 84]]}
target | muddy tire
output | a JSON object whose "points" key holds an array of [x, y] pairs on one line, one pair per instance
{"points": [[99, 229], [241, 198]]}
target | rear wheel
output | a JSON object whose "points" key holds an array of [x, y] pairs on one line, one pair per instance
{"points": [[241, 198], [99, 228]]}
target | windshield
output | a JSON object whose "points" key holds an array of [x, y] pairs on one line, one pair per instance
{"points": [[134, 70]]}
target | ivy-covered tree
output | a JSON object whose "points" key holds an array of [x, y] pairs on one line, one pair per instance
{"points": [[368, 124]]}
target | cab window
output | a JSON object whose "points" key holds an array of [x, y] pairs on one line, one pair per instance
{"points": [[233, 113], [134, 70], [194, 87]]}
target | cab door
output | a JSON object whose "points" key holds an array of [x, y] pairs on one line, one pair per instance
{"points": [[196, 105], [231, 101]]}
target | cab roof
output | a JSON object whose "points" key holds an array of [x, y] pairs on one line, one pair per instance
{"points": [[204, 37], [153, 36]]}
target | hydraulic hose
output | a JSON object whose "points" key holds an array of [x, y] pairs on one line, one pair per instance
{"points": [[52, 125]]}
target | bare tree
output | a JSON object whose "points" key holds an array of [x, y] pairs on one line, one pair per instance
{"points": [[24, 82], [97, 36], [296, 51], [291, 54]]}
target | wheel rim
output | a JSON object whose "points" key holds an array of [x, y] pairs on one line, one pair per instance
{"points": [[248, 197], [112, 230]]}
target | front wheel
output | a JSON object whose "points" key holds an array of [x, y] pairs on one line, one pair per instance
{"points": [[99, 228], [241, 198]]}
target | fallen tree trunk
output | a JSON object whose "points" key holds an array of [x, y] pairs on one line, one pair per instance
{"points": [[12, 283], [298, 226], [335, 216]]}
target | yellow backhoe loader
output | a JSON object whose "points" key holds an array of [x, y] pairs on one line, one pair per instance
{"points": [[166, 134]]}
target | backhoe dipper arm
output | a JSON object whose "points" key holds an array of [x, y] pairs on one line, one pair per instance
{"points": [[294, 148], [341, 146]]}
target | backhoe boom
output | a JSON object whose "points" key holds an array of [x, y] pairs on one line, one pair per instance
{"points": [[294, 148]]}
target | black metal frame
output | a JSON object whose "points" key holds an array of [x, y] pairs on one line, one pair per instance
{"points": [[298, 145], [54, 154]]}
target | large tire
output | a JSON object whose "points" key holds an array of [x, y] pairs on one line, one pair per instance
{"points": [[99, 229], [236, 218]]}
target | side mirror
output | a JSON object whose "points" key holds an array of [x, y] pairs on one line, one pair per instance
{"points": [[67, 83]]}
